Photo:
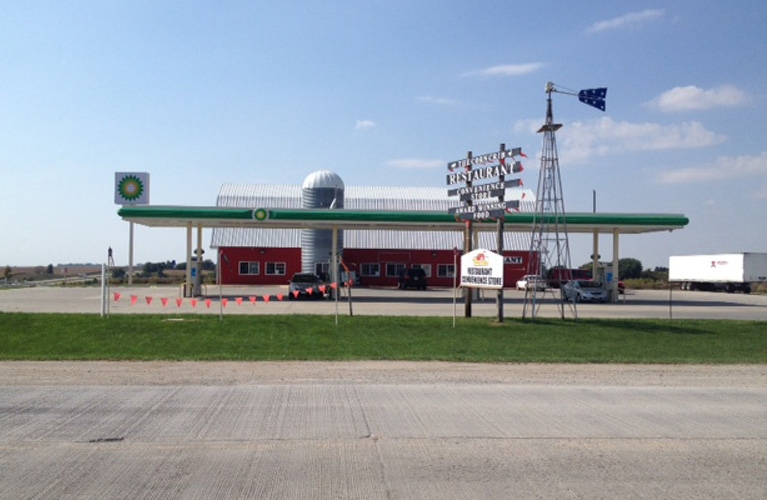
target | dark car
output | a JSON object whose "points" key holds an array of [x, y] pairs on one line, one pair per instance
{"points": [[413, 278], [307, 286]]}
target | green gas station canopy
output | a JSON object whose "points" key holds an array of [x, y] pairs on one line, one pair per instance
{"points": [[577, 222]]}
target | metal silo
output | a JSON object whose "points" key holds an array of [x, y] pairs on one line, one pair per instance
{"points": [[321, 190]]}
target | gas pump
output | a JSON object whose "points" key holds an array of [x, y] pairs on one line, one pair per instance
{"points": [[197, 273], [607, 277]]}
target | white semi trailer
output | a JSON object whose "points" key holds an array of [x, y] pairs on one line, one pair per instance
{"points": [[730, 272]]}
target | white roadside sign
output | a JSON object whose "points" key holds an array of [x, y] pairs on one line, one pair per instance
{"points": [[482, 269]]}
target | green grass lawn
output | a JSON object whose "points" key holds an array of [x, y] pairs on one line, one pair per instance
{"points": [[26, 336]]}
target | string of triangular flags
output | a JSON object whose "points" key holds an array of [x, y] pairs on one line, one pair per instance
{"points": [[207, 302]]}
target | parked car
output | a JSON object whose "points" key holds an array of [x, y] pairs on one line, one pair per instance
{"points": [[413, 278], [557, 276], [584, 291], [531, 282], [307, 285]]}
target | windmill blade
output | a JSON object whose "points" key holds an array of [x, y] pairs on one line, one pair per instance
{"points": [[594, 97]]}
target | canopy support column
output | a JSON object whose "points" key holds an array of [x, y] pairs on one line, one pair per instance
{"points": [[616, 259]]}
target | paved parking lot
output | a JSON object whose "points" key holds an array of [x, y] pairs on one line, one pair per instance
{"points": [[381, 430], [389, 430], [365, 301]]}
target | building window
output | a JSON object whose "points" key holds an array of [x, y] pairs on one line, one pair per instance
{"points": [[275, 269], [426, 268], [249, 268], [395, 269], [445, 270], [372, 270]]}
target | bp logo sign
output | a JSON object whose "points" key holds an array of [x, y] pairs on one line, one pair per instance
{"points": [[132, 188]]}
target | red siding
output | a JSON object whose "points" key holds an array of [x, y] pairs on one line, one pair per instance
{"points": [[516, 265], [232, 257]]}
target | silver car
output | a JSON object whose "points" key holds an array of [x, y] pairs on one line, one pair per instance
{"points": [[584, 291]]}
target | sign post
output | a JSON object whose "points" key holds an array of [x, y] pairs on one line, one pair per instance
{"points": [[499, 239], [484, 200], [467, 238], [131, 188]]}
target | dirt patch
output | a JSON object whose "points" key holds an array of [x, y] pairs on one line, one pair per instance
{"points": [[373, 372]]}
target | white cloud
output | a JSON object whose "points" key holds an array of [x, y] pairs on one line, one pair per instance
{"points": [[580, 141], [761, 194], [632, 19], [723, 168], [415, 163], [439, 101], [694, 98], [506, 70], [364, 124]]}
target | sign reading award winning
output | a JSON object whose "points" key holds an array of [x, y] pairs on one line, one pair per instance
{"points": [[132, 188], [482, 269], [482, 197]]}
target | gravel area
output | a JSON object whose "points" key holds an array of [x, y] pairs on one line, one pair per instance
{"points": [[378, 372]]}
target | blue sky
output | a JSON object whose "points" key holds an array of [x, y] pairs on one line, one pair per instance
{"points": [[201, 93]]}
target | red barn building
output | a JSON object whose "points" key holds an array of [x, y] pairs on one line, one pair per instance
{"points": [[251, 256]]}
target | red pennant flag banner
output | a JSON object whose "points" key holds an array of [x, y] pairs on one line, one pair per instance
{"points": [[334, 285], [148, 301], [179, 302], [164, 301], [224, 302], [266, 298], [280, 297], [193, 302], [208, 302], [239, 301], [133, 299], [117, 296], [295, 293], [322, 288], [252, 299]]}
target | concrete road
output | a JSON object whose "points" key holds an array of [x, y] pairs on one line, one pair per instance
{"points": [[381, 431], [365, 301]]}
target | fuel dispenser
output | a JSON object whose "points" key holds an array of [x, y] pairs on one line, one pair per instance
{"points": [[607, 277]]}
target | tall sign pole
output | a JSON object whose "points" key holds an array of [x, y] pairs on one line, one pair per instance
{"points": [[131, 188], [483, 198], [499, 236], [467, 239]]}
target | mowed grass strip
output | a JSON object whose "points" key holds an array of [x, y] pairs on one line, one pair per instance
{"points": [[25, 336]]}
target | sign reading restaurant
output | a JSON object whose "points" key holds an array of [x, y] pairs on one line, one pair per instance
{"points": [[482, 174], [482, 269], [485, 200]]}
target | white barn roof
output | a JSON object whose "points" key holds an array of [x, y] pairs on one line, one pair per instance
{"points": [[360, 198]]}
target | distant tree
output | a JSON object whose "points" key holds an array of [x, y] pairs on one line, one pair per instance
{"points": [[118, 273], [657, 274], [8, 273], [208, 265], [49, 269], [629, 268]]}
